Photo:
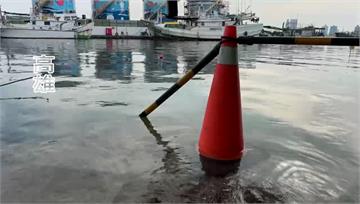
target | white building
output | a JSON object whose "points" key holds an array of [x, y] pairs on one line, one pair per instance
{"points": [[326, 30], [291, 23], [357, 30], [333, 30]]}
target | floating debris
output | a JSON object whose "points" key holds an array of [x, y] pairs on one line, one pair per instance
{"points": [[65, 84], [52, 142], [160, 89], [109, 103]]}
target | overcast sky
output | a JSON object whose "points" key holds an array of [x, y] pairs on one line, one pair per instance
{"points": [[343, 13]]}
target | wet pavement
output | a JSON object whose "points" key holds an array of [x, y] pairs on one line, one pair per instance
{"points": [[85, 143]]}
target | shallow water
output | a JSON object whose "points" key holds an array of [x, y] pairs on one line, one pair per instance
{"points": [[85, 143]]}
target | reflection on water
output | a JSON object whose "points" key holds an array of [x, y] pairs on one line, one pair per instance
{"points": [[85, 142]]}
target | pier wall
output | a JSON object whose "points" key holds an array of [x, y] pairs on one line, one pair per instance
{"points": [[120, 29], [120, 32]]}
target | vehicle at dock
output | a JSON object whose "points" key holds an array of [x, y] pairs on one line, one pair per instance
{"points": [[206, 20]]}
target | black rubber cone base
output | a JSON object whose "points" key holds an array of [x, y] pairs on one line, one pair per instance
{"points": [[219, 168]]}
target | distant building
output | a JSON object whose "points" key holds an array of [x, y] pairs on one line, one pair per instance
{"points": [[310, 31], [110, 9], [53, 7], [333, 30], [326, 30], [357, 30], [291, 23]]}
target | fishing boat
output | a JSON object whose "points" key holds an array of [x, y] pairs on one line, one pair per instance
{"points": [[206, 20], [43, 22], [46, 28]]}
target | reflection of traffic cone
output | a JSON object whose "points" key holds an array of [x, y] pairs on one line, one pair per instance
{"points": [[221, 138]]}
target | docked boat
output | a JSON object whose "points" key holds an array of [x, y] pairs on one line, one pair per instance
{"points": [[46, 28], [206, 20], [40, 23]]}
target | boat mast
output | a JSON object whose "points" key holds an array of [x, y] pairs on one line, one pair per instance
{"points": [[237, 7], [241, 8], [1, 17]]}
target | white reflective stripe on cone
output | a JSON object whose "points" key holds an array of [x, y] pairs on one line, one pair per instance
{"points": [[228, 55]]}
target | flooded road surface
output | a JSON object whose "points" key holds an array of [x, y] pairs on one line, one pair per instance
{"points": [[85, 143]]}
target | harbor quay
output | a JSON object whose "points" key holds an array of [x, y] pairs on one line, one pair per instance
{"points": [[200, 101], [161, 19]]}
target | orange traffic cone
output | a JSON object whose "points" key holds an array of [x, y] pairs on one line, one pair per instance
{"points": [[221, 140]]}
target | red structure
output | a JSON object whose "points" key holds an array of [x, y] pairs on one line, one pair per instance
{"points": [[108, 31]]}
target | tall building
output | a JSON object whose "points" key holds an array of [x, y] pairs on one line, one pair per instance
{"points": [[291, 23], [333, 30], [53, 7], [357, 30], [110, 9], [326, 30]]}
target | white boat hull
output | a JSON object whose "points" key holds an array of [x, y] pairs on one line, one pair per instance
{"points": [[24, 33], [206, 33]]}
